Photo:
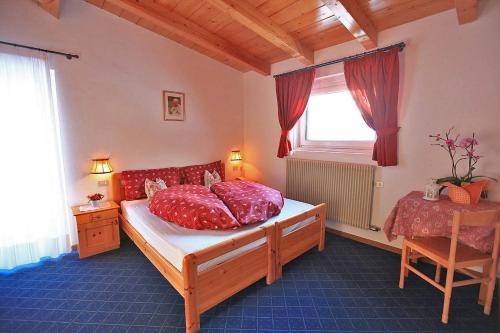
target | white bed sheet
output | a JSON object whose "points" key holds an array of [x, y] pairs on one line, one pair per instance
{"points": [[173, 242]]}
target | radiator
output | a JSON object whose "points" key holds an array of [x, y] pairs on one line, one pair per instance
{"points": [[346, 188]]}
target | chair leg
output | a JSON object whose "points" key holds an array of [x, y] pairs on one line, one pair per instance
{"points": [[484, 286], [404, 260], [414, 258], [437, 277], [491, 289], [408, 253], [447, 293]]}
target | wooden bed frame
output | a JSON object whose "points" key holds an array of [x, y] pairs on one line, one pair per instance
{"points": [[205, 289]]}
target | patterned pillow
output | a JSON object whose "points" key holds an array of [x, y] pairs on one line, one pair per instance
{"points": [[153, 186], [193, 207], [211, 178], [194, 174], [248, 201], [133, 181]]}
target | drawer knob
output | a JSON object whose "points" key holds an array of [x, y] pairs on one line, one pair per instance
{"points": [[93, 235], [99, 232]]}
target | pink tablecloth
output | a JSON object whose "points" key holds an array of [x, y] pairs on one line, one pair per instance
{"points": [[414, 216]]}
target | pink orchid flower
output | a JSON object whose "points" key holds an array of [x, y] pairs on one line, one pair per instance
{"points": [[466, 142]]}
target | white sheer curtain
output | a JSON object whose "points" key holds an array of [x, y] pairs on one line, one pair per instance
{"points": [[34, 216]]}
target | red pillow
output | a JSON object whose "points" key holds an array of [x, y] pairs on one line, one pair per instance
{"points": [[133, 181], [193, 174], [248, 201], [193, 207]]}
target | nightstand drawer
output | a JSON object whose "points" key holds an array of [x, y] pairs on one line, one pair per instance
{"points": [[97, 216], [104, 215]]}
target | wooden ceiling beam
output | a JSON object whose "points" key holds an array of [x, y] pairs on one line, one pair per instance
{"points": [[248, 16], [195, 34], [53, 7], [352, 16], [466, 11]]}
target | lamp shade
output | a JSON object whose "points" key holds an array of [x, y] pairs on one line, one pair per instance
{"points": [[236, 155], [100, 166]]}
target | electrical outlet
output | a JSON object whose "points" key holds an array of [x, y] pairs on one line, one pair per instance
{"points": [[102, 183], [379, 184]]}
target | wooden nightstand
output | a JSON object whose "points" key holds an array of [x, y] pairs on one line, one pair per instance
{"points": [[98, 229]]}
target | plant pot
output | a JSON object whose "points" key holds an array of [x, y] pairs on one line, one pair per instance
{"points": [[468, 194], [94, 203]]}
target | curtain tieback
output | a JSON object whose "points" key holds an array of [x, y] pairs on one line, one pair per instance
{"points": [[385, 132]]}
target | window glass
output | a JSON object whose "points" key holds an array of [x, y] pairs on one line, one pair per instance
{"points": [[335, 117]]}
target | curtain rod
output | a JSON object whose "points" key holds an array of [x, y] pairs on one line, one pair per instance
{"points": [[400, 46], [67, 55]]}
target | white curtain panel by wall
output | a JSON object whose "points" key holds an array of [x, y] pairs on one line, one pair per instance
{"points": [[34, 216]]}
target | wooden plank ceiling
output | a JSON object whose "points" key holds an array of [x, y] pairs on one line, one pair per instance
{"points": [[252, 34], [50, 6]]}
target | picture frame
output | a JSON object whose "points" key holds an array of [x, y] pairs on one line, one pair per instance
{"points": [[174, 106]]}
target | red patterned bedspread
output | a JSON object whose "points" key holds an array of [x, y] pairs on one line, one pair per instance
{"points": [[248, 201], [414, 216], [193, 207]]}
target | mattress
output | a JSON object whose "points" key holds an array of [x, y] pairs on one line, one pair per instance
{"points": [[174, 242]]}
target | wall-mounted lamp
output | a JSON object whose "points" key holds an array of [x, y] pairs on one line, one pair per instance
{"points": [[100, 166], [236, 156]]}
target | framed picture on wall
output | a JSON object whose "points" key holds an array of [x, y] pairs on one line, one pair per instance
{"points": [[173, 105]]}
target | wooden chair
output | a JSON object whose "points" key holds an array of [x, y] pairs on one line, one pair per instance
{"points": [[455, 256]]}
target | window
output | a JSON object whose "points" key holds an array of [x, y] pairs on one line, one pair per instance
{"points": [[332, 120], [32, 172]]}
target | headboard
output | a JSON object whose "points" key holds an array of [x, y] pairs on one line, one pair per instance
{"points": [[117, 190]]}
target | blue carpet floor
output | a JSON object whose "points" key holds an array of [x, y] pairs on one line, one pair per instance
{"points": [[350, 287]]}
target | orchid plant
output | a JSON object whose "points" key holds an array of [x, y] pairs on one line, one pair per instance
{"points": [[459, 150]]}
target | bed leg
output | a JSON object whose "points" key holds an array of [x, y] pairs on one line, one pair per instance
{"points": [[278, 272], [271, 254], [322, 217], [190, 274]]}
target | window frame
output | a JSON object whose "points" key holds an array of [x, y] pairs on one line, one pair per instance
{"points": [[302, 144]]}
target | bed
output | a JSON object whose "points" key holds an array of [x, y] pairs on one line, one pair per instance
{"points": [[206, 267]]}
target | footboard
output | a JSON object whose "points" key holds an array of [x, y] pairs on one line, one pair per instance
{"points": [[207, 288], [290, 246]]}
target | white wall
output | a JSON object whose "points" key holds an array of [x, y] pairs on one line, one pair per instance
{"points": [[450, 76], [110, 99]]}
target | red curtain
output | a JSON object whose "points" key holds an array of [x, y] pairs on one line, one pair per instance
{"points": [[292, 92], [374, 84]]}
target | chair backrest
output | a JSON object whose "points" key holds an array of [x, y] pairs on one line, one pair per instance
{"points": [[475, 219]]}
